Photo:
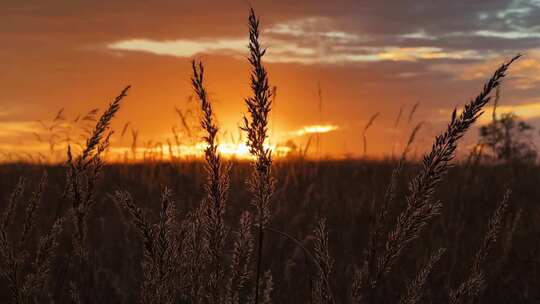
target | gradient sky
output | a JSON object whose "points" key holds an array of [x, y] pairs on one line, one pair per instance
{"points": [[368, 57]]}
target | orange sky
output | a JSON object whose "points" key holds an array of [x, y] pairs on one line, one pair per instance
{"points": [[367, 57]]}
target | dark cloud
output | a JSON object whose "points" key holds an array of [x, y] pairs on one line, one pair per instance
{"points": [[451, 24]]}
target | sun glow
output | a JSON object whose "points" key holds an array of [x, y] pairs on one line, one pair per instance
{"points": [[316, 129], [226, 150], [47, 150]]}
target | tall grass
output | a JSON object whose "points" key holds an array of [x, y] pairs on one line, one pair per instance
{"points": [[261, 183], [27, 272], [368, 125], [421, 205], [471, 288], [216, 188]]}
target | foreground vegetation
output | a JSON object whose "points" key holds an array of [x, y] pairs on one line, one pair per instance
{"points": [[347, 193]]}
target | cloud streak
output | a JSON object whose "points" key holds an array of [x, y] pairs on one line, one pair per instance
{"points": [[315, 129], [17, 128], [524, 111], [281, 51], [180, 47]]}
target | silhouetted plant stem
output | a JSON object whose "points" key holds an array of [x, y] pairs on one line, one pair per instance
{"points": [[261, 182]]}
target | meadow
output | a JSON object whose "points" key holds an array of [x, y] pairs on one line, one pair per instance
{"points": [[265, 230]]}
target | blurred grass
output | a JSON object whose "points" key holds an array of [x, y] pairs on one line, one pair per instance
{"points": [[346, 192]]}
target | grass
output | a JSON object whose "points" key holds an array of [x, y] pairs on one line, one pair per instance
{"points": [[346, 204], [294, 235]]}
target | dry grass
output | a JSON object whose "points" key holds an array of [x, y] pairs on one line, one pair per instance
{"points": [[216, 189], [322, 290], [261, 183], [470, 290], [421, 206], [368, 125], [416, 287], [26, 271]]}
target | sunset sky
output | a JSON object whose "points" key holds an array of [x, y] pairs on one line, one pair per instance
{"points": [[367, 57]]}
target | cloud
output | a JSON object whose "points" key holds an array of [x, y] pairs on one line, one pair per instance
{"points": [[308, 32], [315, 129], [7, 113], [524, 111], [329, 40], [180, 47], [420, 34], [18, 148], [16, 128], [314, 28], [283, 51], [525, 72], [507, 34], [527, 111]]}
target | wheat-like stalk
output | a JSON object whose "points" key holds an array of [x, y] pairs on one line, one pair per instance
{"points": [[241, 256], [83, 173], [42, 264], [9, 260], [29, 220], [508, 240], [256, 127], [27, 273], [376, 236], [322, 289], [473, 286], [395, 129], [261, 182], [413, 111], [195, 254], [421, 207], [216, 187], [266, 286], [14, 200], [468, 290], [368, 125], [81, 178], [100, 130], [160, 248], [323, 262], [74, 293], [492, 235], [416, 287]]}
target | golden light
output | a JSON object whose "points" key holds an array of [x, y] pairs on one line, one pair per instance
{"points": [[226, 150], [234, 150], [415, 53], [315, 129], [524, 111]]}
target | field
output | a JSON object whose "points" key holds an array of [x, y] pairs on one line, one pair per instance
{"points": [[347, 193], [276, 230]]}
